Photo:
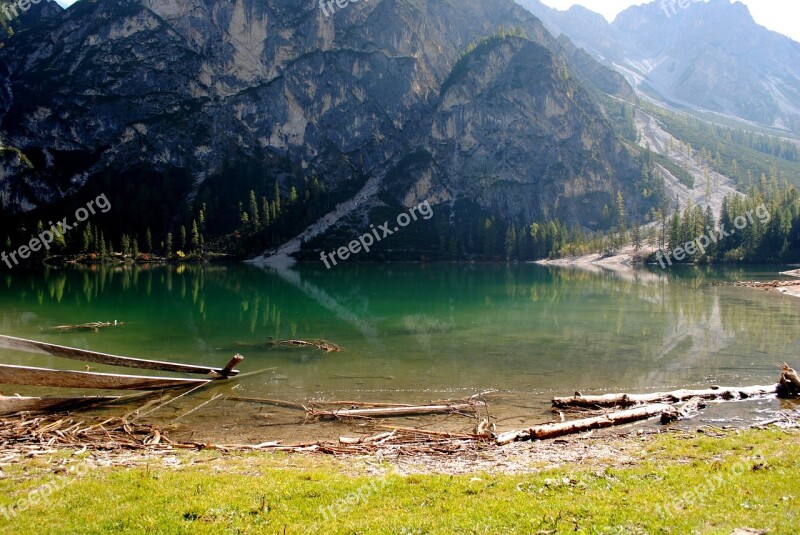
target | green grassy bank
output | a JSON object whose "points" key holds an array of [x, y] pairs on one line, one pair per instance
{"points": [[698, 484]]}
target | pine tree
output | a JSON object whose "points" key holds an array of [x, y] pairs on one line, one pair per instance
{"points": [[87, 239], [195, 238], [511, 243], [148, 240], [265, 217], [183, 238], [253, 209], [102, 252]]}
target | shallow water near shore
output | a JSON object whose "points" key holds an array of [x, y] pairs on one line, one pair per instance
{"points": [[410, 333]]}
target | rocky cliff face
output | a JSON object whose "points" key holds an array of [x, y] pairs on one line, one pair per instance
{"points": [[118, 87], [711, 55]]}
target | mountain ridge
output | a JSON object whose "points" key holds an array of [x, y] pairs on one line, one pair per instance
{"points": [[711, 56]]}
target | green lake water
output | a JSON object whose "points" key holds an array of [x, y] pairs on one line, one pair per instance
{"points": [[410, 333]]}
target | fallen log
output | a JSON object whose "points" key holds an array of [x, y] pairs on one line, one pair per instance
{"points": [[93, 326], [559, 429], [393, 411], [31, 376], [629, 400], [43, 348], [689, 410], [324, 345], [789, 385], [13, 404]]}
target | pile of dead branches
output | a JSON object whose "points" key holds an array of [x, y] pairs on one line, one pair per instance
{"points": [[41, 434]]}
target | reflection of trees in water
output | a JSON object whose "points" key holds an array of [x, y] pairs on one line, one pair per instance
{"points": [[638, 326]]}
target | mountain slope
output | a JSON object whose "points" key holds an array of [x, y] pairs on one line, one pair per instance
{"points": [[213, 98], [710, 55]]}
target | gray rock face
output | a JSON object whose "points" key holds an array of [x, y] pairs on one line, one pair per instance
{"points": [[158, 84], [710, 55]]}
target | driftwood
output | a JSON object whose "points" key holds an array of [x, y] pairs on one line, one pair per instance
{"points": [[559, 429], [42, 348], [27, 375], [94, 326], [14, 404], [629, 400], [689, 410], [324, 345], [383, 412], [789, 385]]}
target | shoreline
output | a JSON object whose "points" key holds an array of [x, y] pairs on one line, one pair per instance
{"points": [[595, 449]]}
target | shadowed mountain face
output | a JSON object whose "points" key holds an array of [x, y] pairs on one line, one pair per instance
{"points": [[130, 92], [710, 55]]}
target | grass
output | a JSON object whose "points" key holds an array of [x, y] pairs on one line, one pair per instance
{"points": [[747, 479]]}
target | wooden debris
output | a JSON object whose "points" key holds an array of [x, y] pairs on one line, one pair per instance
{"points": [[43, 348], [383, 412], [324, 345], [28, 375], [629, 400], [559, 429], [94, 326], [789, 385], [14, 404]]}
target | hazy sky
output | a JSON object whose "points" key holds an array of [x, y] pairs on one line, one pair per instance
{"points": [[778, 15]]}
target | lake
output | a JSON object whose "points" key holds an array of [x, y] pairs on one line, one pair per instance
{"points": [[411, 333]]}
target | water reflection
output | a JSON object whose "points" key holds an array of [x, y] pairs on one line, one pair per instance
{"points": [[420, 328]]}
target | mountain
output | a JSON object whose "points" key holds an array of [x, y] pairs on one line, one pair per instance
{"points": [[175, 106], [710, 56]]}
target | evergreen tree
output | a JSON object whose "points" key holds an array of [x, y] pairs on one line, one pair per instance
{"points": [[253, 209]]}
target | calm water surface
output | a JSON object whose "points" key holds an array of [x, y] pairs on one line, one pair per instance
{"points": [[411, 333]]}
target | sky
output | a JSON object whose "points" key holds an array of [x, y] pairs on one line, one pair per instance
{"points": [[778, 15]]}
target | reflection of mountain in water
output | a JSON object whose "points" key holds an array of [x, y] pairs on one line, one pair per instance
{"points": [[519, 327]]}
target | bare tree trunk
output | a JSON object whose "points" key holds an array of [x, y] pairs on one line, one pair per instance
{"points": [[545, 431], [629, 400]]}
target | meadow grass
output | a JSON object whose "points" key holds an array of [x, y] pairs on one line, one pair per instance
{"points": [[698, 484]]}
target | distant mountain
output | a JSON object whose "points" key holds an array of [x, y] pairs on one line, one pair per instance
{"points": [[710, 55], [168, 103]]}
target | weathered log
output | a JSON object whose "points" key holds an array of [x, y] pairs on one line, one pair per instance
{"points": [[629, 400], [689, 410], [324, 345], [395, 411], [789, 385], [28, 375], [13, 404], [93, 326], [559, 429], [42, 348], [268, 401]]}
